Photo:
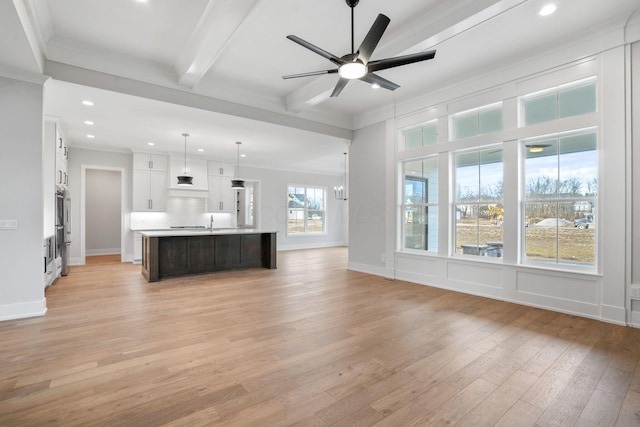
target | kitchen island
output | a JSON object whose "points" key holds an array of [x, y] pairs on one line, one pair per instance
{"points": [[171, 253]]}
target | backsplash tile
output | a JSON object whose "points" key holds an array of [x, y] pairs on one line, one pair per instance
{"points": [[181, 211]]}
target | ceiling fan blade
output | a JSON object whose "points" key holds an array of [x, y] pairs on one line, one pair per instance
{"points": [[383, 64], [376, 79], [339, 86], [372, 38], [312, 73], [330, 56]]}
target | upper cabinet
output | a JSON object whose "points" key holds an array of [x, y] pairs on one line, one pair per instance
{"points": [[150, 161], [196, 168], [62, 156], [220, 168], [149, 183]]}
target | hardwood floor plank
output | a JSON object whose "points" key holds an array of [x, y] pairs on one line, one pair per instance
{"points": [[308, 344]]}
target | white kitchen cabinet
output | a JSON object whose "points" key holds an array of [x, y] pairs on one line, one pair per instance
{"points": [[220, 168], [137, 247], [196, 168], [149, 182], [222, 198], [143, 161], [62, 156], [149, 191]]}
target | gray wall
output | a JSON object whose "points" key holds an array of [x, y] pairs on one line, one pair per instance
{"points": [[21, 192], [93, 159], [273, 206], [103, 212], [367, 201]]}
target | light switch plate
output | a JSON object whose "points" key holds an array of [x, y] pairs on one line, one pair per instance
{"points": [[8, 224]]}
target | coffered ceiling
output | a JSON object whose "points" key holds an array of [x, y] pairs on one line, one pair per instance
{"points": [[213, 67]]}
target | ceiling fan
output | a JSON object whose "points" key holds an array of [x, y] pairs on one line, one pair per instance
{"points": [[356, 65]]}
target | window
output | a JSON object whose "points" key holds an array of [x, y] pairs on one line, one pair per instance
{"points": [[480, 121], [306, 210], [567, 101], [561, 188], [420, 136], [478, 202], [420, 204]]}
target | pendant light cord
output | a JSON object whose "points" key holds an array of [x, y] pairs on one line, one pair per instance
{"points": [[185, 152]]}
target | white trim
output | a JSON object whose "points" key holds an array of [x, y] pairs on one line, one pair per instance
{"points": [[107, 251], [23, 310], [123, 205], [310, 246], [389, 273]]}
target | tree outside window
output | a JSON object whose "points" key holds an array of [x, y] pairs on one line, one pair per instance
{"points": [[306, 210]]}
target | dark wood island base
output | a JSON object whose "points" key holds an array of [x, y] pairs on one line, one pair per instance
{"points": [[170, 254]]}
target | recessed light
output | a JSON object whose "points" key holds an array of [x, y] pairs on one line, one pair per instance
{"points": [[375, 86], [88, 122], [243, 155], [201, 149], [90, 136], [151, 143], [87, 103], [547, 9]]}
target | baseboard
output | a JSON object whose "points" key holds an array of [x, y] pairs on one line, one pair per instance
{"points": [[23, 310], [310, 246], [76, 261], [615, 315], [372, 269], [108, 251]]}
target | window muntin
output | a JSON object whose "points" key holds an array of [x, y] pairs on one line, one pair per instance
{"points": [[419, 208], [560, 194], [420, 136], [478, 204], [306, 210], [480, 121], [571, 100]]}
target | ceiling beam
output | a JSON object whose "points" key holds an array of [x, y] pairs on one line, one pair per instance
{"points": [[217, 26], [441, 23], [19, 43], [180, 96]]}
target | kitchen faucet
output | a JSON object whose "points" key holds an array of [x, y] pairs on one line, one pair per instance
{"points": [[211, 223]]}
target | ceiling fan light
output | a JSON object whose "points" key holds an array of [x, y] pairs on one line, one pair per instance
{"points": [[352, 70]]}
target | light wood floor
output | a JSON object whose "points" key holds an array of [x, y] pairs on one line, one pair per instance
{"points": [[308, 344]]}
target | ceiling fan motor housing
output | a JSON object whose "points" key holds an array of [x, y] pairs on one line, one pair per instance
{"points": [[352, 3]]}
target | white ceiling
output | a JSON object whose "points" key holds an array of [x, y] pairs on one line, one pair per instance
{"points": [[236, 51]]}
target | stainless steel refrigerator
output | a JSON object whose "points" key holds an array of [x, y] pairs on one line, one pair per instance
{"points": [[63, 229]]}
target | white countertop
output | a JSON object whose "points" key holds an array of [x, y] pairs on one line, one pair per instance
{"points": [[203, 232]]}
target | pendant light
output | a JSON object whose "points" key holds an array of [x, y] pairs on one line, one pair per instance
{"points": [[185, 180], [236, 182], [341, 192]]}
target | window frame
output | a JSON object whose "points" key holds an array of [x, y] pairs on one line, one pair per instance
{"points": [[306, 210], [403, 205], [475, 112], [491, 255], [558, 264]]}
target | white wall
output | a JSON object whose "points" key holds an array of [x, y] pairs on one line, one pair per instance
{"points": [[49, 178], [21, 199], [98, 159], [273, 206], [102, 212], [597, 294], [368, 199]]}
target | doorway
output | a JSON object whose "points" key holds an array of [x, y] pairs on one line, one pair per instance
{"points": [[102, 206]]}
